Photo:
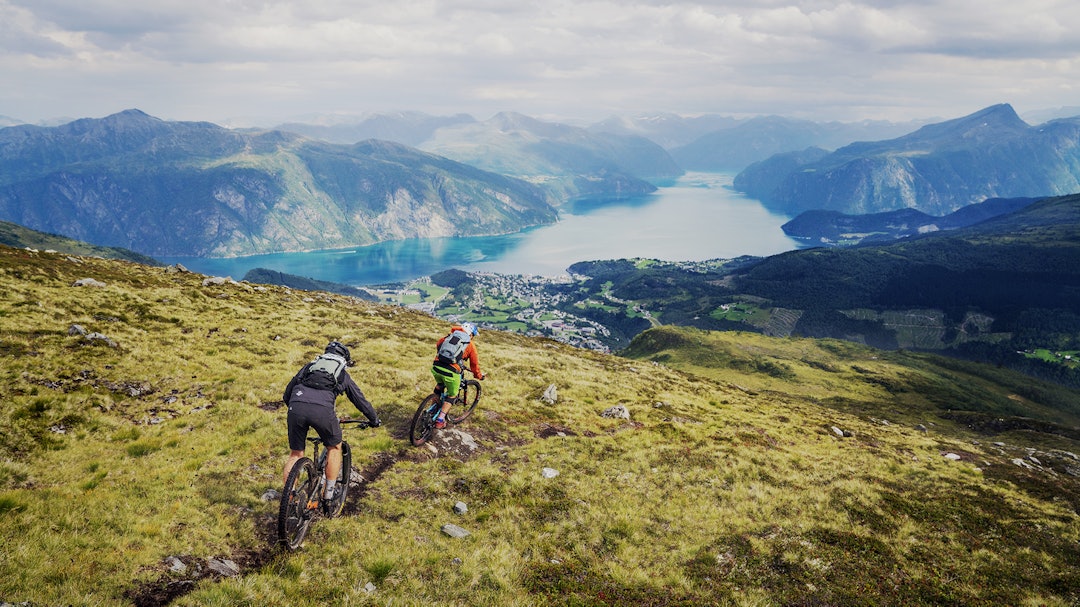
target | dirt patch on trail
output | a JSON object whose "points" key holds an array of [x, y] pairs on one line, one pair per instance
{"points": [[179, 575]]}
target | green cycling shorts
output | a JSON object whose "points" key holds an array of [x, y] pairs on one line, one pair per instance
{"points": [[449, 379]]}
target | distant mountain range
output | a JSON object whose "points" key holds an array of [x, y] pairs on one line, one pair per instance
{"points": [[756, 139], [196, 189], [410, 128], [937, 169], [570, 162]]}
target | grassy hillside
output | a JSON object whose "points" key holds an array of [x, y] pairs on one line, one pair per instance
{"points": [[134, 464], [19, 237]]}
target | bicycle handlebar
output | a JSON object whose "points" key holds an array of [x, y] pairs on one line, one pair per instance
{"points": [[362, 423]]}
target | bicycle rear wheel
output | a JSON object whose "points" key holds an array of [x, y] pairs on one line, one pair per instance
{"points": [[467, 399], [423, 423], [294, 516], [341, 488]]}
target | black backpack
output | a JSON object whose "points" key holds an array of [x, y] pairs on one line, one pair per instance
{"points": [[324, 373]]}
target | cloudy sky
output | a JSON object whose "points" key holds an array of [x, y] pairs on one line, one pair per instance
{"points": [[244, 62]]}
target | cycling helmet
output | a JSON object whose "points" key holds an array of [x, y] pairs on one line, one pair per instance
{"points": [[469, 328], [336, 347]]}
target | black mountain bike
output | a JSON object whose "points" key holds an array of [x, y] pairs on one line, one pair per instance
{"points": [[301, 500], [423, 423]]}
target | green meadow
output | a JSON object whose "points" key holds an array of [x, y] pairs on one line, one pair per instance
{"points": [[136, 460]]}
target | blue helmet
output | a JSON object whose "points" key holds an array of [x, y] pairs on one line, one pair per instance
{"points": [[469, 328]]}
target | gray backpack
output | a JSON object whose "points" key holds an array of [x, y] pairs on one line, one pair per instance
{"points": [[324, 373], [453, 347]]}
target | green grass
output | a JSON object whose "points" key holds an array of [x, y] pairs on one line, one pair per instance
{"points": [[727, 487]]}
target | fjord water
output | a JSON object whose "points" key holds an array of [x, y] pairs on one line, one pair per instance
{"points": [[698, 217]]}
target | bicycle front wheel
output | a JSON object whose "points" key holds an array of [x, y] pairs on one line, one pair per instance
{"points": [[341, 488], [467, 399], [294, 515], [423, 423]]}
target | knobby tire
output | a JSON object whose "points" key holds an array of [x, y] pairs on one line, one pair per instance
{"points": [[341, 489], [470, 396], [294, 517], [423, 426]]}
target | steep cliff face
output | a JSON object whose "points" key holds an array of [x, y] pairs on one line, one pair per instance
{"points": [[177, 189], [937, 169]]}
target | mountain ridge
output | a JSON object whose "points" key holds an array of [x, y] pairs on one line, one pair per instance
{"points": [[196, 189], [937, 169]]}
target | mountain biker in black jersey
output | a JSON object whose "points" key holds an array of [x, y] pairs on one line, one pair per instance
{"points": [[311, 405]]}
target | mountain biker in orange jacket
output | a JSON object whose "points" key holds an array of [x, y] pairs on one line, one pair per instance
{"points": [[447, 365]]}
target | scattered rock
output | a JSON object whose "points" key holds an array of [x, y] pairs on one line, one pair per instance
{"points": [[461, 444], [461, 508], [87, 282], [369, 588], [76, 330], [954, 457], [921, 428], [616, 412], [175, 565], [550, 395], [99, 337], [271, 495], [217, 281], [841, 433], [176, 269], [223, 567], [454, 531], [549, 473]]}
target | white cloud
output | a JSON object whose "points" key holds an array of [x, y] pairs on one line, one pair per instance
{"points": [[210, 60]]}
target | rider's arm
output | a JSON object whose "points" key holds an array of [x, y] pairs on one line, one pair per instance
{"points": [[356, 397], [474, 359], [292, 384]]}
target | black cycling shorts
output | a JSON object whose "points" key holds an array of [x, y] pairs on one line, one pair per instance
{"points": [[306, 415]]}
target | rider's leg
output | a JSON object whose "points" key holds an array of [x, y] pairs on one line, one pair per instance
{"points": [[333, 466], [450, 381], [450, 398], [294, 456]]}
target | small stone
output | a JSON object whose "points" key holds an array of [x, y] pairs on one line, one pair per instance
{"points": [[617, 412], [224, 567], [549, 473], [461, 508], [454, 531]]}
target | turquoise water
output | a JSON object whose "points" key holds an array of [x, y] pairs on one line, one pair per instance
{"points": [[699, 217]]}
